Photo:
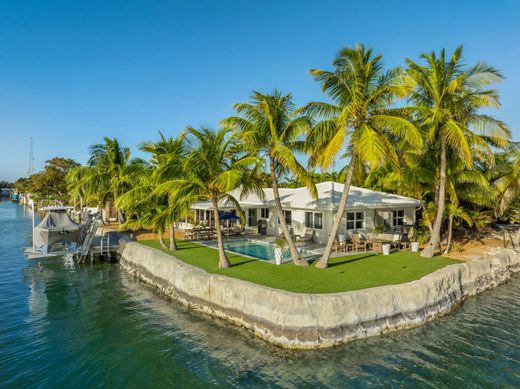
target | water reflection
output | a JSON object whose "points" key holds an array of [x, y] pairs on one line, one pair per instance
{"points": [[64, 325]]}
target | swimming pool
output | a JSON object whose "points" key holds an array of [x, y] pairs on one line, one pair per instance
{"points": [[260, 250]]}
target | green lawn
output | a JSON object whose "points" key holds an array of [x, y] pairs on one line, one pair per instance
{"points": [[345, 273]]}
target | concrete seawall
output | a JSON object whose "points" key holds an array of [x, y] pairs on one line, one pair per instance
{"points": [[307, 321]]}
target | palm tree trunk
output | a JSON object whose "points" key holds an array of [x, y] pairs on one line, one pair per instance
{"points": [[173, 242], [119, 214], [516, 239], [450, 234], [223, 260], [435, 237], [161, 239], [324, 260], [295, 255]]}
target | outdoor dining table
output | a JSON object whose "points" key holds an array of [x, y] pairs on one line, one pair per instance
{"points": [[377, 244]]}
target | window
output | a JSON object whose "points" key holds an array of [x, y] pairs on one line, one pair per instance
{"points": [[309, 220], [318, 221], [264, 213], [251, 220], [204, 217], [287, 215], [209, 218], [355, 220], [398, 217], [314, 220]]}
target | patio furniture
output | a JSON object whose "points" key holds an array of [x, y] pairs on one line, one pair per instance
{"points": [[188, 234], [358, 243], [238, 230], [377, 245], [202, 233], [404, 245], [394, 240], [335, 246], [345, 246], [405, 242], [307, 238]]}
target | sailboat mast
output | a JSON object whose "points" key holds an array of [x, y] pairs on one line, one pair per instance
{"points": [[33, 225], [30, 169]]}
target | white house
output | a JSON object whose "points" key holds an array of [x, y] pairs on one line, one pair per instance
{"points": [[365, 209]]}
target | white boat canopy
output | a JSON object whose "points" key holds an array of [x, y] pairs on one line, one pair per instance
{"points": [[56, 227]]}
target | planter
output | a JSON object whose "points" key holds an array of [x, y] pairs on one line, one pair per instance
{"points": [[386, 249], [414, 246], [278, 255]]}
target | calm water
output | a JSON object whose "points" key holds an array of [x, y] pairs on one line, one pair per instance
{"points": [[63, 325]]}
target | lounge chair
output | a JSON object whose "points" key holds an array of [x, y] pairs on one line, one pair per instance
{"points": [[307, 238]]}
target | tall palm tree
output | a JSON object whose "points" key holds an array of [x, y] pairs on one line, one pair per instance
{"points": [[157, 212], [358, 122], [447, 96], [167, 158], [269, 128], [215, 165], [467, 189]]}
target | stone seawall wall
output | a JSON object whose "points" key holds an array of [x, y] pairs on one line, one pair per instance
{"points": [[307, 321]]}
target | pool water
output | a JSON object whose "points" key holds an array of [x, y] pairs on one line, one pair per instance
{"points": [[259, 250]]}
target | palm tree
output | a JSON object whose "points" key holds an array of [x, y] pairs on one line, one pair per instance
{"points": [[506, 178], [358, 122], [447, 97], [215, 165], [167, 158], [141, 208], [268, 128], [506, 182], [106, 175]]}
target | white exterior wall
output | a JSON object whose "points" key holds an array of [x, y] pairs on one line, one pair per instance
{"points": [[372, 218]]}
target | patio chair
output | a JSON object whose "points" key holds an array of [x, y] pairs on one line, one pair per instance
{"points": [[238, 230], [396, 241], [358, 243], [307, 238], [345, 246], [405, 243], [188, 234], [336, 245]]}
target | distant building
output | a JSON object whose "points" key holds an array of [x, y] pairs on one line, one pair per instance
{"points": [[6, 192]]}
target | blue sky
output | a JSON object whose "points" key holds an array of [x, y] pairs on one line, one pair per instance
{"points": [[73, 72]]}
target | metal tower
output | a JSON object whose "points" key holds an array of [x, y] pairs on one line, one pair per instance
{"points": [[30, 170]]}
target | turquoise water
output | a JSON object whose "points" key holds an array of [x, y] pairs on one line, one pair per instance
{"points": [[69, 326], [260, 250]]}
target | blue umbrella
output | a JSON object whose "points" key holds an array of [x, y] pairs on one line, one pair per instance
{"points": [[228, 216]]}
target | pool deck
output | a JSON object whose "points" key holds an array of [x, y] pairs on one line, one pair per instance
{"points": [[314, 248]]}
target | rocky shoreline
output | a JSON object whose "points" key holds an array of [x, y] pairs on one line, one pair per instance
{"points": [[310, 321]]}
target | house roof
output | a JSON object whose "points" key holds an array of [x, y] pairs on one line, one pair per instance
{"points": [[329, 195]]}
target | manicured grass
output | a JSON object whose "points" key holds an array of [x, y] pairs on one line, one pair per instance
{"points": [[345, 273]]}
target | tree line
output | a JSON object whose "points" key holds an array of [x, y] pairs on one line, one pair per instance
{"points": [[421, 130]]}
